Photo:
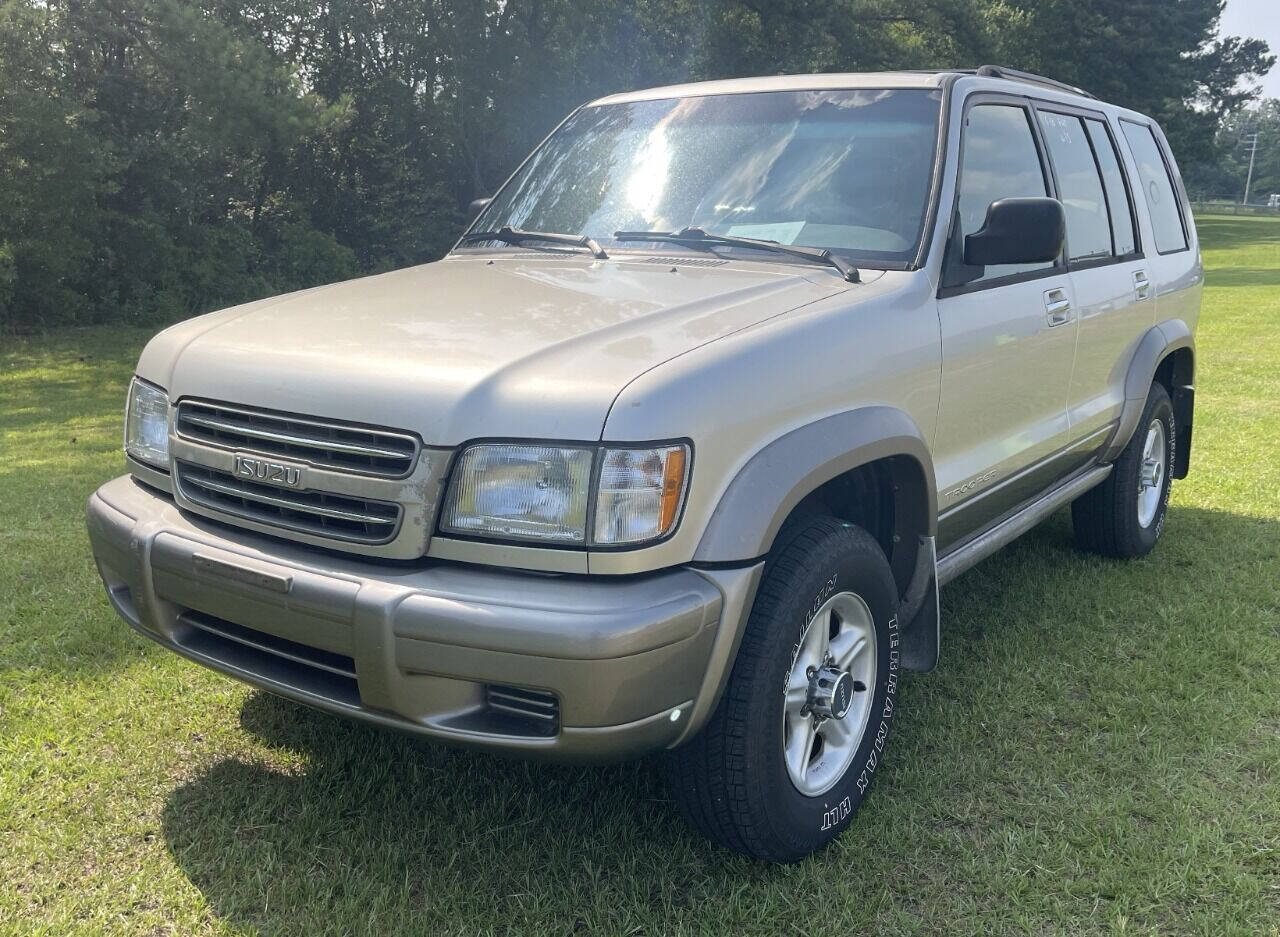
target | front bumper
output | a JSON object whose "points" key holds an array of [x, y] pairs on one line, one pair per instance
{"points": [[483, 657]]}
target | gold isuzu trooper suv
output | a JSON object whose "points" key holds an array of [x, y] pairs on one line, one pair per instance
{"points": [[673, 450]]}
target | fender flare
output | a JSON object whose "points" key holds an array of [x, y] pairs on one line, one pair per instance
{"points": [[778, 477], [1159, 341]]}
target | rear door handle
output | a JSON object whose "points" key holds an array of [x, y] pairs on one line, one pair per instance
{"points": [[1057, 307], [1141, 285]]}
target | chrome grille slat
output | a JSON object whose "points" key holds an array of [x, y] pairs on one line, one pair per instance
{"points": [[242, 491], [332, 516], [332, 445], [290, 439]]}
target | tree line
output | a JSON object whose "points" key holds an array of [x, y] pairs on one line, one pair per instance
{"points": [[160, 158]]}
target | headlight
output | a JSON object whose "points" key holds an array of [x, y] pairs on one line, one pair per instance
{"points": [[146, 425], [541, 493], [521, 493]]}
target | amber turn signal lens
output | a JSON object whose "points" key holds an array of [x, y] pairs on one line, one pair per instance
{"points": [[672, 488]]}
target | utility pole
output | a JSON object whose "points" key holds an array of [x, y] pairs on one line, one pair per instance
{"points": [[1252, 141]]}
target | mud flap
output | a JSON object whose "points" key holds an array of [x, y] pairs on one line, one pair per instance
{"points": [[921, 614], [1184, 405]]}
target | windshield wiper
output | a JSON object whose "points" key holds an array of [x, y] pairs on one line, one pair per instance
{"points": [[695, 237], [512, 235]]}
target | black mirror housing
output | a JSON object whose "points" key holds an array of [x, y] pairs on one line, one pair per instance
{"points": [[1018, 231], [476, 207]]}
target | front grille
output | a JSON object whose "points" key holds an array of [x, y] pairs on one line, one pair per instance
{"points": [[526, 712], [315, 671], [341, 517], [322, 443]]}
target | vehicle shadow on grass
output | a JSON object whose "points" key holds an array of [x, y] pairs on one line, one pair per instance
{"points": [[381, 833], [387, 834]]}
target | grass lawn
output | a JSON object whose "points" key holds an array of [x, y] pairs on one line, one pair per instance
{"points": [[1099, 751]]}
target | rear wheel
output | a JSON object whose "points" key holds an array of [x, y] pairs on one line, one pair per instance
{"points": [[789, 754], [1124, 516]]}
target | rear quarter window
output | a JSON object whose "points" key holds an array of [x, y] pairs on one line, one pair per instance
{"points": [[1157, 186]]}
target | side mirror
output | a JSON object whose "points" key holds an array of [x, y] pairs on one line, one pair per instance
{"points": [[1018, 231], [476, 207]]}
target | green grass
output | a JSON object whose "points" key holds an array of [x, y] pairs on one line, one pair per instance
{"points": [[1099, 751]]}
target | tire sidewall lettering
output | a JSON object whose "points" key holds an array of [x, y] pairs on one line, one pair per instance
{"points": [[1171, 434], [886, 712]]}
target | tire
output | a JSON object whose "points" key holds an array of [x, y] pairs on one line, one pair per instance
{"points": [[732, 782], [1124, 516]]}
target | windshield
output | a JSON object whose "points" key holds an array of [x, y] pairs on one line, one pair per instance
{"points": [[846, 170]]}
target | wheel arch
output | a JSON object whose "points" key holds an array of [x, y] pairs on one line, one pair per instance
{"points": [[837, 461], [1165, 353]]}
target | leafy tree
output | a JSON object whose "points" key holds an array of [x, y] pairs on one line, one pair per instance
{"points": [[50, 172], [163, 157], [1159, 57], [144, 144]]}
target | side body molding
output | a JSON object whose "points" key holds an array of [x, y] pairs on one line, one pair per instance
{"points": [[1157, 344], [779, 476]]}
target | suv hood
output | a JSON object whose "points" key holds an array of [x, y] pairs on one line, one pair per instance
{"points": [[469, 347]]}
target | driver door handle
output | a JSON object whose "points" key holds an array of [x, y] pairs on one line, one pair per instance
{"points": [[1057, 307]]}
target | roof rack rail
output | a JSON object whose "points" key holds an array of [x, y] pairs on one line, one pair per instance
{"points": [[1013, 74]]}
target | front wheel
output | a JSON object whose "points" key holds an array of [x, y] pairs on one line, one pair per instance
{"points": [[791, 750]]}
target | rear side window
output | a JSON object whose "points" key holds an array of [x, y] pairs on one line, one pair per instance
{"points": [[1122, 227], [1080, 186], [1157, 188], [999, 160]]}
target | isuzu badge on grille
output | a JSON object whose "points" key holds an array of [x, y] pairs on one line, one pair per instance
{"points": [[268, 472]]}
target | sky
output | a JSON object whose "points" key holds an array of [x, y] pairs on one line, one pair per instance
{"points": [[1259, 19]]}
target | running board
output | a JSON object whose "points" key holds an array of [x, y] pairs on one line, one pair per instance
{"points": [[989, 541]]}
